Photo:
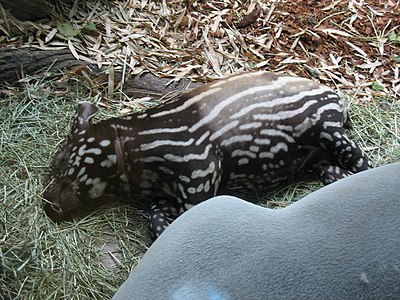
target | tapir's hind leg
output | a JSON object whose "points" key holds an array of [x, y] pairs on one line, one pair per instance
{"points": [[326, 166], [162, 213], [347, 152], [338, 157]]}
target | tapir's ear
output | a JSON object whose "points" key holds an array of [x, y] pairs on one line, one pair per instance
{"points": [[84, 112]]}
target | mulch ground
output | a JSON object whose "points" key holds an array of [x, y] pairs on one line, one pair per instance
{"points": [[354, 45]]}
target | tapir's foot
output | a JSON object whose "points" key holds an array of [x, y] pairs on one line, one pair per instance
{"points": [[331, 173], [162, 213], [329, 168]]}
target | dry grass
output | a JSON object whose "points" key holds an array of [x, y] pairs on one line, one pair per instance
{"points": [[39, 259], [90, 257]]}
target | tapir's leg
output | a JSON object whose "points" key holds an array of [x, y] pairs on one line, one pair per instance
{"points": [[326, 167], [348, 153], [339, 156], [162, 213]]}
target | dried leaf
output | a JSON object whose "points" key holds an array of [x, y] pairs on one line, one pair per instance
{"points": [[293, 61], [335, 32], [370, 65], [173, 38], [358, 49], [72, 49], [50, 35]]}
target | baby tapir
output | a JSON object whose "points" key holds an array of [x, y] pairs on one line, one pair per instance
{"points": [[241, 135], [340, 242]]}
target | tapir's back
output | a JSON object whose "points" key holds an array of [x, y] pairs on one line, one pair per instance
{"points": [[249, 100], [340, 242]]}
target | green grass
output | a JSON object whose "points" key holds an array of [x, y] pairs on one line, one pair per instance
{"points": [[90, 257]]}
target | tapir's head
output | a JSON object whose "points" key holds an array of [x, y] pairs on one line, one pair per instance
{"points": [[82, 167]]}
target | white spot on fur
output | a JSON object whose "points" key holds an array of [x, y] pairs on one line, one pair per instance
{"points": [[239, 152], [81, 150], [203, 173], [112, 158], [181, 189], [166, 170], [81, 172], [266, 155], [324, 135], [278, 147], [184, 178], [97, 189], [106, 163], [124, 178], [95, 151], [207, 186], [200, 188], [88, 160], [104, 143], [254, 148], [191, 190], [77, 160], [262, 141], [243, 161], [188, 206]]}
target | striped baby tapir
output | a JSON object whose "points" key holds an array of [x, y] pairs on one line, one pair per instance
{"points": [[242, 135]]}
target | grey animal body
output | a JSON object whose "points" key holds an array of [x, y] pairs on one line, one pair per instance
{"points": [[340, 242], [243, 134]]}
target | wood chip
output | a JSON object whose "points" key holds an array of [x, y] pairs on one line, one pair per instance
{"points": [[348, 38]]}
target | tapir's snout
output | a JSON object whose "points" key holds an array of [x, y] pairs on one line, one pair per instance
{"points": [[60, 203], [54, 212]]}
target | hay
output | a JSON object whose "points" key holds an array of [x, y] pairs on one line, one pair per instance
{"points": [[90, 257], [84, 259]]}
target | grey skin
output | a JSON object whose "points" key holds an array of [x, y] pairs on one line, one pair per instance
{"points": [[340, 242]]}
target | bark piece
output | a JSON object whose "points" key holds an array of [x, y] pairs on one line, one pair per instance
{"points": [[18, 62], [27, 9]]}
